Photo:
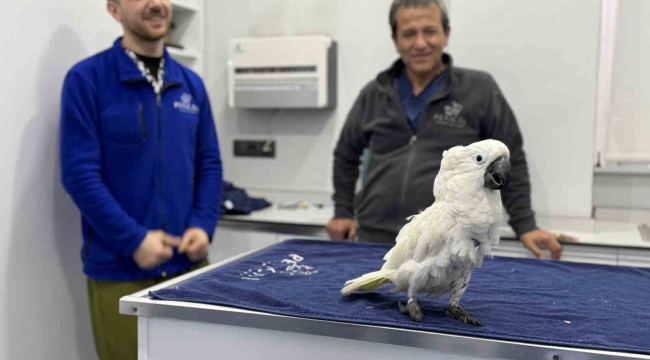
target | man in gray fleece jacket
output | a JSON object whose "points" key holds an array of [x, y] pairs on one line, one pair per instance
{"points": [[407, 117]]}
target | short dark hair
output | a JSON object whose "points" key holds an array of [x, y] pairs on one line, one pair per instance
{"points": [[398, 4]]}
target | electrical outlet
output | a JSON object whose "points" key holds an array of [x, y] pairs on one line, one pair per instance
{"points": [[255, 148]]}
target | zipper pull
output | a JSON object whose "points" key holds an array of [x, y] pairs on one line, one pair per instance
{"points": [[158, 99], [414, 138]]}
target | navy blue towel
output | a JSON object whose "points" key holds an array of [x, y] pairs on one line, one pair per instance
{"points": [[235, 201], [534, 301]]}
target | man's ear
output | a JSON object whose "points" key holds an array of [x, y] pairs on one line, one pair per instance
{"points": [[114, 9]]}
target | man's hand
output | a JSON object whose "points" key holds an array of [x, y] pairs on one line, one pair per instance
{"points": [[341, 229], [155, 249], [195, 243], [533, 239]]}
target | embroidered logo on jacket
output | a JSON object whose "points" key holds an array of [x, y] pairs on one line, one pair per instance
{"points": [[186, 105], [451, 117]]}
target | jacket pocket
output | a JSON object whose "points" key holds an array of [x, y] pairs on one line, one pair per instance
{"points": [[143, 123], [89, 241], [124, 125]]}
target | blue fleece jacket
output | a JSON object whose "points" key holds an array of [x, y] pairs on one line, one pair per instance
{"points": [[133, 162]]}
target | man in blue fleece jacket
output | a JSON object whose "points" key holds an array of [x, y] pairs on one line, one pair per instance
{"points": [[140, 158]]}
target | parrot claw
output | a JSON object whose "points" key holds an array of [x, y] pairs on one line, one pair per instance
{"points": [[458, 313], [412, 308]]}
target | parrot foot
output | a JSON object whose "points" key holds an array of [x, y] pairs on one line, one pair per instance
{"points": [[458, 313], [412, 308]]}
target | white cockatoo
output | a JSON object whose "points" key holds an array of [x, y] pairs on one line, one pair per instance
{"points": [[437, 250]]}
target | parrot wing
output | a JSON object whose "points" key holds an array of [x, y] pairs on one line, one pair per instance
{"points": [[419, 239]]}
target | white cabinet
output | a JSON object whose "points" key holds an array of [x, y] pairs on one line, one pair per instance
{"points": [[186, 39], [229, 242], [602, 255], [232, 240], [284, 236], [634, 257], [575, 253], [511, 248]]}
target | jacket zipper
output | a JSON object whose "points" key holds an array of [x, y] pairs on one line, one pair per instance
{"points": [[88, 241], [159, 111], [143, 123], [163, 220], [411, 144], [395, 97], [405, 182]]}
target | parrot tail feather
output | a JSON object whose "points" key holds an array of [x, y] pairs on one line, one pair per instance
{"points": [[367, 282]]}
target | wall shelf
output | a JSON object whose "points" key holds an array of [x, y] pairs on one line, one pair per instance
{"points": [[184, 6], [181, 55], [188, 32], [622, 171]]}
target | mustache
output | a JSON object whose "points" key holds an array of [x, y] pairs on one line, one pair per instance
{"points": [[157, 11]]}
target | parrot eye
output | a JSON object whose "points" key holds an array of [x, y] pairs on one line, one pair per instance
{"points": [[479, 158]]}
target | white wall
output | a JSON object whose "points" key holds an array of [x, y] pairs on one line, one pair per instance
{"points": [[305, 139], [543, 55], [43, 301]]}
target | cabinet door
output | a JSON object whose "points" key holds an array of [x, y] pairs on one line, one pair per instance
{"points": [[574, 253], [602, 255], [511, 248], [634, 257], [229, 242], [317, 236]]}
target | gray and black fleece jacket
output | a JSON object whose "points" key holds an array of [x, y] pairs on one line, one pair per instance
{"points": [[468, 107]]}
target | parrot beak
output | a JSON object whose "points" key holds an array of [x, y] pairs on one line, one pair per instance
{"points": [[497, 174]]}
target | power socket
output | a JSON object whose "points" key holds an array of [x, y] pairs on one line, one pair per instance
{"points": [[255, 148]]}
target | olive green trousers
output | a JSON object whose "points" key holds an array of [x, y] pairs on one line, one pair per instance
{"points": [[116, 335]]}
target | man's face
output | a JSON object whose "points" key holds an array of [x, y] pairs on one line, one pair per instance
{"points": [[420, 38], [149, 20]]}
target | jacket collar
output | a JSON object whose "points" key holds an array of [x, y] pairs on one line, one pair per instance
{"points": [[129, 72]]}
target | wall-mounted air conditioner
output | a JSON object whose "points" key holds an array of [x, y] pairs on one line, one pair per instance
{"points": [[297, 72]]}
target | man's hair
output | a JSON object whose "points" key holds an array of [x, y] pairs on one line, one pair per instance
{"points": [[398, 4]]}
